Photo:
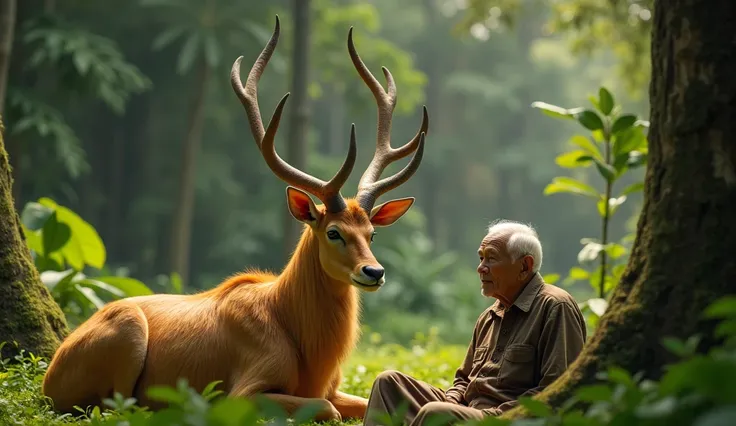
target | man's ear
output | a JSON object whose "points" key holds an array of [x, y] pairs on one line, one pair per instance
{"points": [[390, 211], [301, 206], [527, 264]]}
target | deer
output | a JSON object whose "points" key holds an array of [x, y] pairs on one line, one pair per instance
{"points": [[280, 336]]}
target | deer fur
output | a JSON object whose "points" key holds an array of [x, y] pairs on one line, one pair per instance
{"points": [[283, 336]]}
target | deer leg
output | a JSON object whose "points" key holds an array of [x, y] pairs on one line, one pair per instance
{"points": [[349, 406], [291, 404], [104, 355]]}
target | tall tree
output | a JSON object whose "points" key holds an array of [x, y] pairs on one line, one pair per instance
{"points": [[299, 120], [30, 316], [682, 259], [7, 28]]}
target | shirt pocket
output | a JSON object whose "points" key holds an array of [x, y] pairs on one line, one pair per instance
{"points": [[518, 366], [479, 355]]}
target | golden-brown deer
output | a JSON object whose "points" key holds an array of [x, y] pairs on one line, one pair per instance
{"points": [[282, 336]]}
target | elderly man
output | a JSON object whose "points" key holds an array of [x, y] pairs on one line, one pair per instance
{"points": [[520, 345]]}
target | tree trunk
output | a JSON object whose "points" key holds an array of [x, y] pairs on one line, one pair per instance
{"points": [[299, 120], [682, 259], [181, 228], [7, 29], [30, 316]]}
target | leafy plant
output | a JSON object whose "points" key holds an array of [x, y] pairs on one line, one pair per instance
{"points": [[63, 246], [616, 145]]}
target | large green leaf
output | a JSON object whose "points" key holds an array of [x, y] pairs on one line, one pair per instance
{"points": [[85, 245], [589, 119], [570, 185], [573, 159], [55, 235], [34, 215], [606, 102], [556, 111], [129, 286], [587, 145]]}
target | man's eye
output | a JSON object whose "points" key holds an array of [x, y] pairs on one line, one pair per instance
{"points": [[333, 235], [373, 235]]}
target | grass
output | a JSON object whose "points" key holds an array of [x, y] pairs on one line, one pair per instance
{"points": [[21, 402]]}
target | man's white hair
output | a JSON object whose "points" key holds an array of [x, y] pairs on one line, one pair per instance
{"points": [[523, 240]]}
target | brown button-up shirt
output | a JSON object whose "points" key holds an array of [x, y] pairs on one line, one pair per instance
{"points": [[520, 350]]}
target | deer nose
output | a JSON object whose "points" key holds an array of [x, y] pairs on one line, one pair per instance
{"points": [[375, 273]]}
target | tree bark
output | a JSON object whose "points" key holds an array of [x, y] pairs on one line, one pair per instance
{"points": [[30, 316], [181, 230], [299, 120], [7, 29], [682, 259]]}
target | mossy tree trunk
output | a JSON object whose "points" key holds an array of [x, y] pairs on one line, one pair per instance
{"points": [[28, 313], [682, 259]]}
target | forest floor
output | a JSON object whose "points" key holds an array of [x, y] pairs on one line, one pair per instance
{"points": [[21, 402]]}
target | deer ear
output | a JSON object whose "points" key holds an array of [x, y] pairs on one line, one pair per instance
{"points": [[301, 205], [390, 211]]}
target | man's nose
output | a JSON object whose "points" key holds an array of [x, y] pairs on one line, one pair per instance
{"points": [[482, 269]]}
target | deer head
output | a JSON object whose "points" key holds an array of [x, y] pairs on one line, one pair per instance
{"points": [[344, 228]]}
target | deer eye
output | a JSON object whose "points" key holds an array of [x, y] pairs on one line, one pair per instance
{"points": [[333, 235]]}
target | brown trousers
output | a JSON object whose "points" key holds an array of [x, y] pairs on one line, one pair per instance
{"points": [[392, 389]]}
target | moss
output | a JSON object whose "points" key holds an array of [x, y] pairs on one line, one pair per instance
{"points": [[682, 257], [31, 318]]}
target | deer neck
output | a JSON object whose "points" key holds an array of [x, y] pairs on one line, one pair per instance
{"points": [[319, 311]]}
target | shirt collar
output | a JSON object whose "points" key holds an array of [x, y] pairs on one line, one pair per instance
{"points": [[526, 297]]}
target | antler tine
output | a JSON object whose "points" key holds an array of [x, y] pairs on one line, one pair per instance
{"points": [[367, 198], [327, 192], [248, 95], [385, 154]]}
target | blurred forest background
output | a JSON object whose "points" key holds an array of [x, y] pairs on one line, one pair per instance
{"points": [[122, 112]]}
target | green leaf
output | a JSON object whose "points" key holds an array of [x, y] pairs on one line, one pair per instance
{"points": [[188, 53], [165, 394], [85, 245], [594, 393], [551, 278], [578, 273], [555, 111], [90, 295], [116, 292], [573, 159], [587, 145], [55, 235], [623, 122], [605, 170], [536, 407], [636, 159], [34, 215], [629, 140], [718, 416], [658, 409], [166, 37], [613, 205], [634, 187], [574, 186], [724, 307], [211, 50], [129, 286], [589, 119], [606, 102], [615, 251]]}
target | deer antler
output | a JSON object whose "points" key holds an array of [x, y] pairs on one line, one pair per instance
{"points": [[327, 192], [369, 187]]}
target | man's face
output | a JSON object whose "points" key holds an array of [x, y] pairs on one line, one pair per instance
{"points": [[499, 274]]}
